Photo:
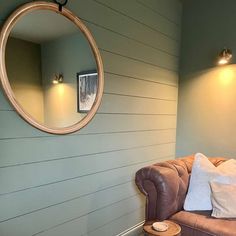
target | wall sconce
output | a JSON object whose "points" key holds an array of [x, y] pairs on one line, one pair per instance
{"points": [[58, 78], [225, 56]]}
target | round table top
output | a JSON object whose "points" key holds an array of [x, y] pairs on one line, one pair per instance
{"points": [[173, 230]]}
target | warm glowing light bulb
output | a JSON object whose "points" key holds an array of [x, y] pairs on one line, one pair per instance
{"points": [[55, 81], [222, 61]]}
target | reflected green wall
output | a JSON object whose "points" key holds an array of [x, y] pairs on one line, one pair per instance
{"points": [[206, 108], [23, 66], [67, 55]]}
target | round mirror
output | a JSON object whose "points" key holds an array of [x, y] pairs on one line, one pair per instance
{"points": [[50, 68]]}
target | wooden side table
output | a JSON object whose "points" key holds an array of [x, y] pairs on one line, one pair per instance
{"points": [[173, 230]]}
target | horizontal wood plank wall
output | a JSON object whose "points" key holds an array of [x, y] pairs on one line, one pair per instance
{"points": [[83, 184]]}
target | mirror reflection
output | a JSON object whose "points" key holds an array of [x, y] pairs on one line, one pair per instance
{"points": [[51, 68]]}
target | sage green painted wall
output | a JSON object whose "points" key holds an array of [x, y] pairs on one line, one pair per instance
{"points": [[206, 109], [83, 183]]}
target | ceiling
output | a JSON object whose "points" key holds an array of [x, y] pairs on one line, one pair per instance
{"points": [[41, 26]]}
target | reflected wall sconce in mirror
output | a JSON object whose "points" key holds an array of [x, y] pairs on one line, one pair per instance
{"points": [[225, 56], [58, 78]]}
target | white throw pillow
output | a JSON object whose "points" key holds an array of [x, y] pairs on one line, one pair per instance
{"points": [[203, 171], [223, 200]]}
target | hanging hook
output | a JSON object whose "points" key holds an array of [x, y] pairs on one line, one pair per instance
{"points": [[60, 5]]}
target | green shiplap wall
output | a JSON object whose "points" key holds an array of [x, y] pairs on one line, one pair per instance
{"points": [[206, 107], [83, 183]]}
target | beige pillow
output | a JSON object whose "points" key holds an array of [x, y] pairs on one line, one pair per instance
{"points": [[198, 197], [223, 200]]}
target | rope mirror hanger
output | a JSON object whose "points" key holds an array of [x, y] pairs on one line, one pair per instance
{"points": [[60, 4]]}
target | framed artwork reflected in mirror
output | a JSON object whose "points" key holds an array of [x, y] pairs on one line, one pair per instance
{"points": [[86, 90]]}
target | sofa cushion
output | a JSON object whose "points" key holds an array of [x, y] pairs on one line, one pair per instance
{"points": [[202, 224]]}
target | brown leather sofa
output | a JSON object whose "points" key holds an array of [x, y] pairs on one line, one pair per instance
{"points": [[165, 186]]}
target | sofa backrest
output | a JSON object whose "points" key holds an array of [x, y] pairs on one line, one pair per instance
{"points": [[165, 185]]}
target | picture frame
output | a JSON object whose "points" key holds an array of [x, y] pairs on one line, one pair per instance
{"points": [[87, 83]]}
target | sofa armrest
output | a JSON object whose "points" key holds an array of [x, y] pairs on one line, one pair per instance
{"points": [[165, 186]]}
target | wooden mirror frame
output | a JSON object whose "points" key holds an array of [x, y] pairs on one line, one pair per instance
{"points": [[6, 29]]}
